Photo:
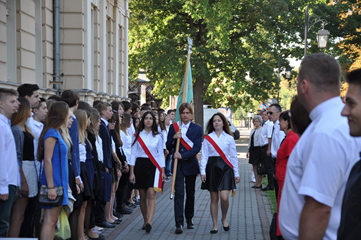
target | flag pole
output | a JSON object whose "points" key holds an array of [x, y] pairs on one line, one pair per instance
{"points": [[175, 165]]}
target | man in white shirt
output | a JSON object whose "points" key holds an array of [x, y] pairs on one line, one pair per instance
{"points": [[30, 92], [9, 168], [320, 163], [265, 142], [350, 227], [277, 137]]}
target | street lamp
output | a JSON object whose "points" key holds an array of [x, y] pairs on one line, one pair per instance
{"points": [[322, 35]]}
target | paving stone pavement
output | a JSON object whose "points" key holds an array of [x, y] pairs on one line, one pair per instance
{"points": [[249, 213]]}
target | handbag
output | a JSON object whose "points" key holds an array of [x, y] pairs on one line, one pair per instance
{"points": [[43, 195], [261, 167]]}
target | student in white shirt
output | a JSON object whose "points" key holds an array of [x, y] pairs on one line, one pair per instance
{"points": [[218, 176], [9, 170], [320, 163], [265, 142], [144, 172]]}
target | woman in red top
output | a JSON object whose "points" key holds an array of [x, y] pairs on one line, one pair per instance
{"points": [[299, 119]]}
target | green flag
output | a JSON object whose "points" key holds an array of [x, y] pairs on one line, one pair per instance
{"points": [[189, 91]]}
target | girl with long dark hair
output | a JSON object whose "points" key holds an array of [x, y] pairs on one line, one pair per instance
{"points": [[147, 166], [219, 167]]}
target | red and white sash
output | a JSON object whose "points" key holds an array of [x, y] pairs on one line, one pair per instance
{"points": [[158, 181], [185, 141], [221, 153]]}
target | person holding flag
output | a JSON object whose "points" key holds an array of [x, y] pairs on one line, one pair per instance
{"points": [[219, 167], [147, 166], [186, 168]]}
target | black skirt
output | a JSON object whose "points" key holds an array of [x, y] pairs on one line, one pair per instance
{"points": [[220, 175], [72, 185], [144, 171], [88, 191], [255, 155]]}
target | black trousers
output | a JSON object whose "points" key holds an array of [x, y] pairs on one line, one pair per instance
{"points": [[27, 227], [269, 166], [190, 182], [122, 190], [274, 179]]}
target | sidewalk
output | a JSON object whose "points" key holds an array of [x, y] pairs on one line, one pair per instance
{"points": [[249, 213]]}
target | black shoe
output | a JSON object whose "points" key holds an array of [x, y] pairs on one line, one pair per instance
{"points": [[190, 224], [118, 221], [268, 188], [101, 237], [148, 227], [124, 210], [226, 228], [105, 224], [179, 229], [117, 214], [131, 205], [214, 231]]}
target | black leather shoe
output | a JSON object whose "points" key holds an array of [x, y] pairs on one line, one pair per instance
{"points": [[148, 227], [117, 214], [214, 231], [268, 188], [124, 210], [190, 224], [101, 237], [226, 228], [105, 224], [179, 229]]}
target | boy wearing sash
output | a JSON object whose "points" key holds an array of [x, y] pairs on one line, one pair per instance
{"points": [[219, 167], [147, 166], [188, 167]]}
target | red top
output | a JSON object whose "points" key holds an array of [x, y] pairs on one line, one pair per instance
{"points": [[283, 154]]}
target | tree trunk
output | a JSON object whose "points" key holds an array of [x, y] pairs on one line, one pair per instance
{"points": [[198, 101]]}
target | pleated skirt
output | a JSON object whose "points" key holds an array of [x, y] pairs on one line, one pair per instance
{"points": [[31, 175], [144, 172], [219, 175]]}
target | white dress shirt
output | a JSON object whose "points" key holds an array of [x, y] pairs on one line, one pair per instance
{"points": [[131, 129], [36, 127], [277, 138], [154, 144], [185, 129], [82, 153], [99, 148], [127, 144], [9, 167], [266, 133], [319, 167], [226, 144], [256, 138]]}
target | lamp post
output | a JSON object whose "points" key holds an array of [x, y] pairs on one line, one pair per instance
{"points": [[322, 35]]}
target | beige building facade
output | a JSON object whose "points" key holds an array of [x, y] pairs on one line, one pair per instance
{"points": [[92, 37]]}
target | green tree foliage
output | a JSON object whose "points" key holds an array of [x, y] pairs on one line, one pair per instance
{"points": [[236, 45]]}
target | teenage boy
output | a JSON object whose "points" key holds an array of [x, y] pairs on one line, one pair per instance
{"points": [[30, 92], [9, 170]]}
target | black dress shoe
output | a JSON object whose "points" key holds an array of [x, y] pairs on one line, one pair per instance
{"points": [[226, 228], [214, 231], [148, 227], [179, 229], [117, 214], [105, 224], [190, 224], [268, 188], [124, 210]]}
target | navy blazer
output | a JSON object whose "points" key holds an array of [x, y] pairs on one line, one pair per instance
{"points": [[107, 145], [74, 135], [189, 162]]}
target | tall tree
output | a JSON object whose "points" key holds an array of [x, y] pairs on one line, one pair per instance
{"points": [[235, 51]]}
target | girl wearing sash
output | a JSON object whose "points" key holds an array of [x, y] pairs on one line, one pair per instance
{"points": [[219, 167], [147, 166]]}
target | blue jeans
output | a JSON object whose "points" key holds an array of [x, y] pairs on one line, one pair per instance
{"points": [[5, 211], [168, 164]]}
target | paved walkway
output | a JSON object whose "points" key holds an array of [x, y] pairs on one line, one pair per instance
{"points": [[249, 213]]}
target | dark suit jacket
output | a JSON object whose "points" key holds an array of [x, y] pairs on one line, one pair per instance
{"points": [[74, 135], [107, 145], [189, 162]]}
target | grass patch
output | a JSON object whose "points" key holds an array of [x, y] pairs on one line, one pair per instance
{"points": [[271, 196]]}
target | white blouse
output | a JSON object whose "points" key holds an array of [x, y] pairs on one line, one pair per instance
{"points": [[82, 152], [226, 144], [154, 144], [99, 148], [127, 144]]}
